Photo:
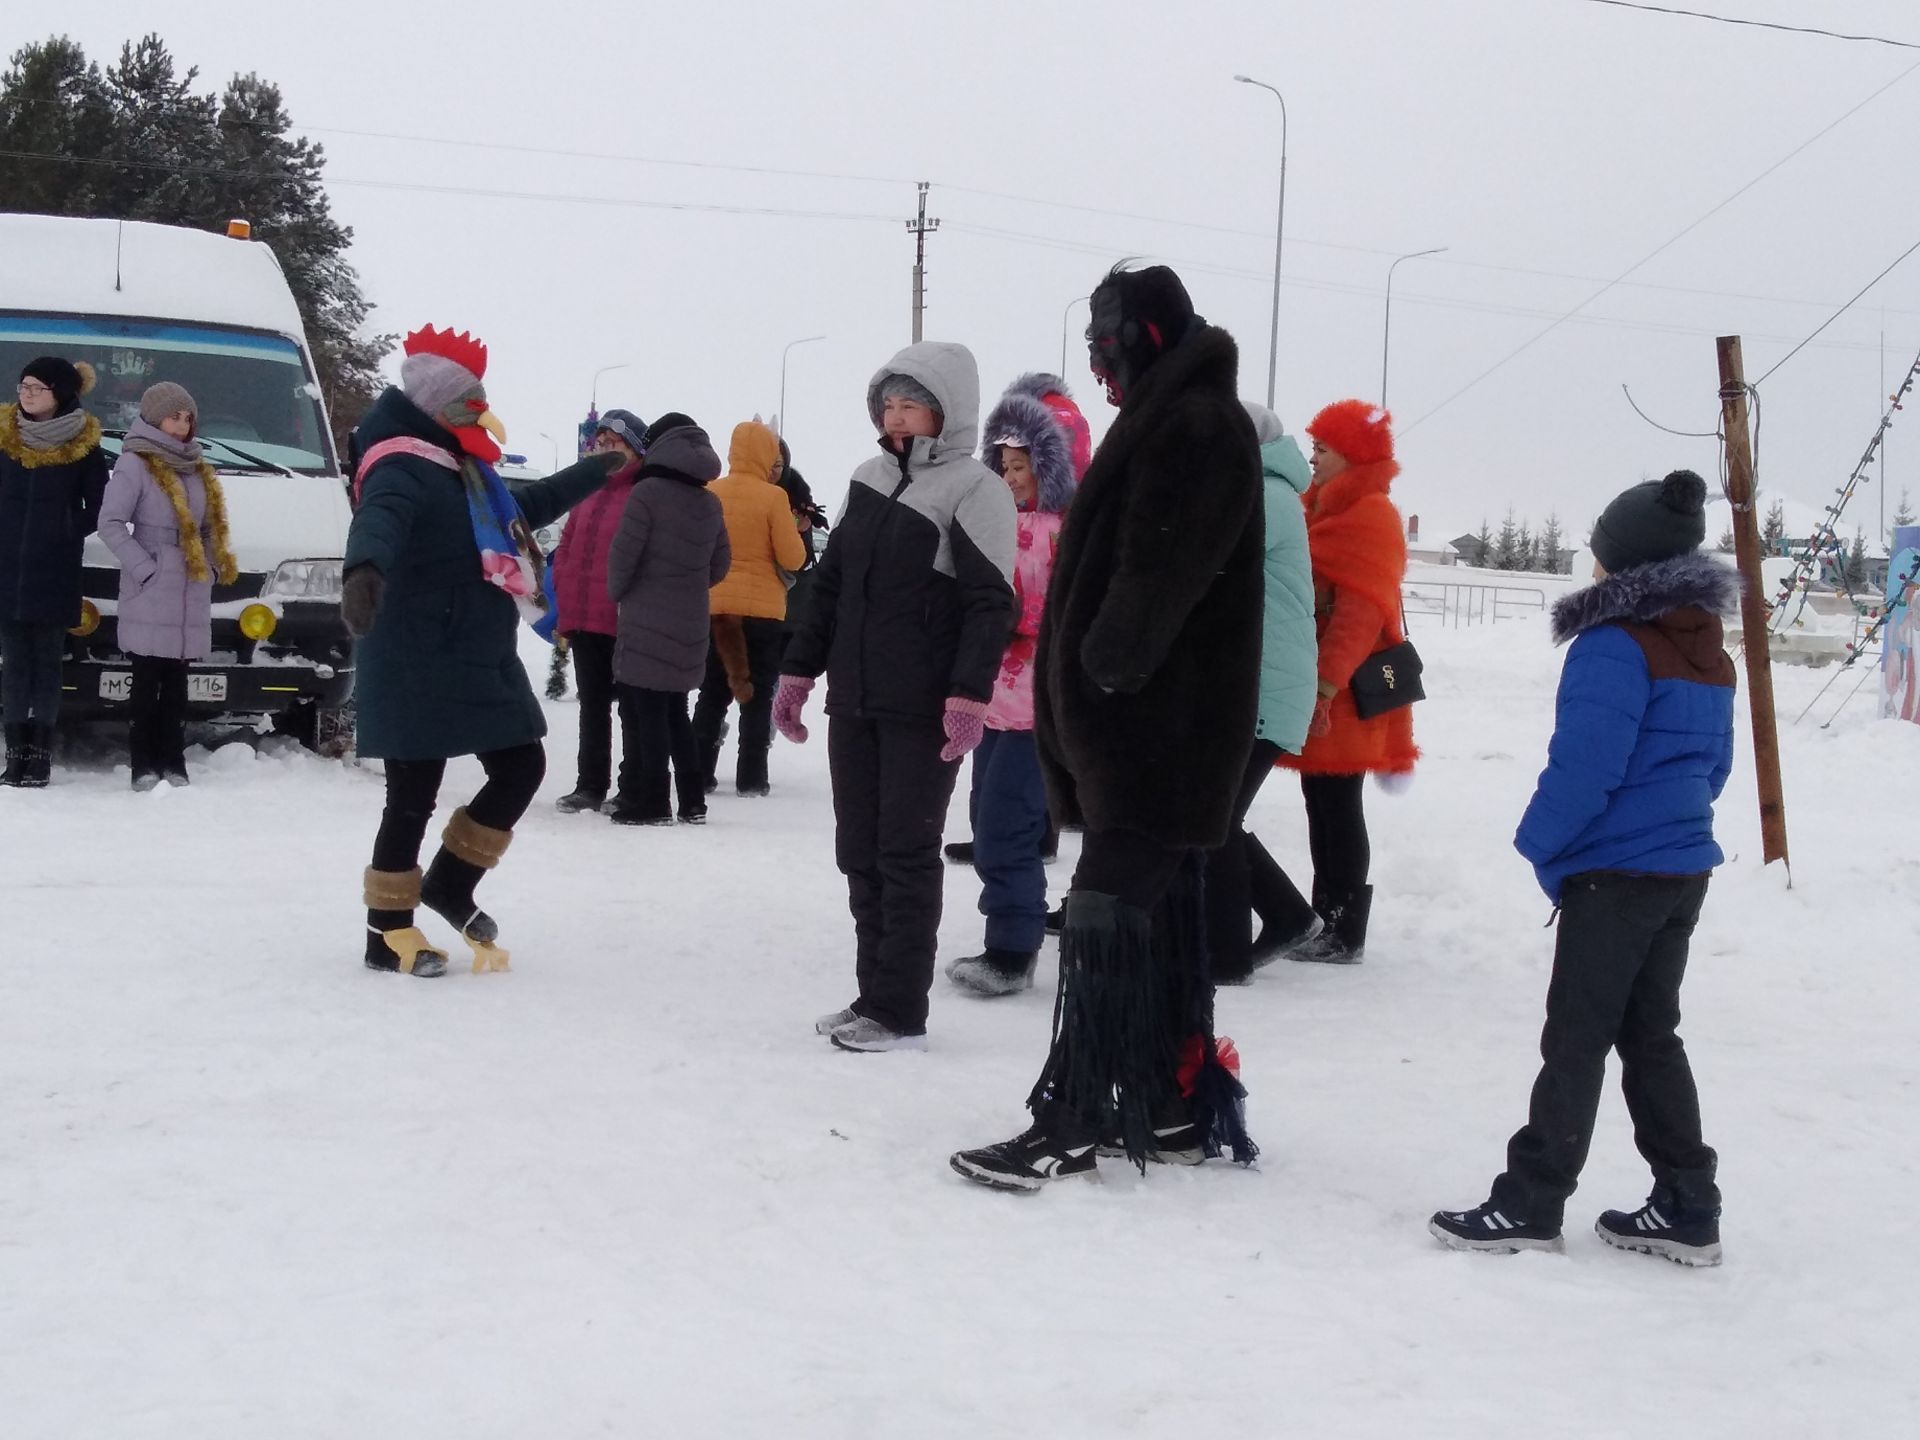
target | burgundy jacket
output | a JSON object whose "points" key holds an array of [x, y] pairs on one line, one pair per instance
{"points": [[580, 561]]}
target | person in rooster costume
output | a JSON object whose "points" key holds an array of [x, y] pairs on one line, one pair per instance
{"points": [[441, 567]]}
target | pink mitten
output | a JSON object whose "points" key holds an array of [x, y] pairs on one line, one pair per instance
{"points": [[787, 701], [963, 722]]}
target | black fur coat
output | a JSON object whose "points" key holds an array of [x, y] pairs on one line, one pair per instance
{"points": [[1149, 658]]}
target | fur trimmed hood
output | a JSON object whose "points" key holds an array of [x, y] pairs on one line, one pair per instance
{"points": [[1644, 593], [1021, 419]]}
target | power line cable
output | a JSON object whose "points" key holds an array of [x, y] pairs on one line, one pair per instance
{"points": [[1841, 311], [1757, 24], [1662, 248]]}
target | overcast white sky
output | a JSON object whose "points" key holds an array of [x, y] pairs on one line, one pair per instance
{"points": [[1549, 144]]}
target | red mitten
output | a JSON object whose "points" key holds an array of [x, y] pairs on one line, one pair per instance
{"points": [[787, 701], [964, 723]]}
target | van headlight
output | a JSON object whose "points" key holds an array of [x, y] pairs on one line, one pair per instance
{"points": [[305, 580]]}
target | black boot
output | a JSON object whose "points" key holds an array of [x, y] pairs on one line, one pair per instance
{"points": [[1287, 918], [582, 799], [958, 852], [1344, 941], [16, 771], [749, 773], [38, 772], [393, 941], [468, 850]]}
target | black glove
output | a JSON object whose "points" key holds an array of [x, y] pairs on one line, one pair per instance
{"points": [[360, 597]]}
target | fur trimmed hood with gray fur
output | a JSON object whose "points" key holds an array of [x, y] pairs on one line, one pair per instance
{"points": [[1644, 593], [1020, 419]]}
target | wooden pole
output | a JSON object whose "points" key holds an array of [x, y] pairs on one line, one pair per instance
{"points": [[1753, 603]]}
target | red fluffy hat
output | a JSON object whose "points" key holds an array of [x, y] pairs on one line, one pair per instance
{"points": [[1359, 432]]}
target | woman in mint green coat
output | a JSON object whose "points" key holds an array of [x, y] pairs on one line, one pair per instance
{"points": [[1288, 689]]}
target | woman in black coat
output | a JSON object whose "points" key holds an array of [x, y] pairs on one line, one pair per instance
{"points": [[52, 475]]}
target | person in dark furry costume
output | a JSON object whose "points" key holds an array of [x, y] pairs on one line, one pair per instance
{"points": [[1620, 835], [1144, 707]]}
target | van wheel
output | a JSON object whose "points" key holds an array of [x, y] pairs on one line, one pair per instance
{"points": [[326, 730]]}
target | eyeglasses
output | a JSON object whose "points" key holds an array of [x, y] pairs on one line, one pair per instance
{"points": [[34, 387]]}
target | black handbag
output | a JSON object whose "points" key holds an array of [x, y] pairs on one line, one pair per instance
{"points": [[1387, 680]]}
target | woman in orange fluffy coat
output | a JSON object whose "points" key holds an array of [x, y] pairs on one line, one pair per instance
{"points": [[1359, 552]]}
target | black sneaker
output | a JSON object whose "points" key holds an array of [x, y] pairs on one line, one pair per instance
{"points": [[1485, 1228], [693, 817], [579, 802], [1024, 1163], [1172, 1145], [634, 815], [960, 852], [1660, 1227]]}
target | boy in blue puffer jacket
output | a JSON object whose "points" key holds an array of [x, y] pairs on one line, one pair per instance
{"points": [[1620, 834]]}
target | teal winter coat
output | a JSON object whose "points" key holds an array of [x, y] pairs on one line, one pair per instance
{"points": [[439, 673], [1289, 653]]}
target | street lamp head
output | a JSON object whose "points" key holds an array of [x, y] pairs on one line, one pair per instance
{"points": [[1245, 79]]}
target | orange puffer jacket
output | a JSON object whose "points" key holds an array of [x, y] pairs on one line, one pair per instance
{"points": [[760, 528], [1359, 553]]}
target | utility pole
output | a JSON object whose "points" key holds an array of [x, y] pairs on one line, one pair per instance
{"points": [[1753, 603], [919, 229]]}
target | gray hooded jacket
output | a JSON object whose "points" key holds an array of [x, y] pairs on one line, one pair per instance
{"points": [[913, 600], [670, 550]]}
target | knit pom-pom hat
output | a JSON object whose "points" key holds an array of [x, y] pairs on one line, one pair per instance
{"points": [[67, 379], [1358, 431], [1654, 520]]}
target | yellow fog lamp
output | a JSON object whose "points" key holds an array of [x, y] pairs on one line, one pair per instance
{"points": [[257, 622], [89, 620]]}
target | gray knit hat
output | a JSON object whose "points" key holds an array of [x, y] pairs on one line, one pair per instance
{"points": [[434, 382], [905, 387], [166, 399], [1654, 520]]}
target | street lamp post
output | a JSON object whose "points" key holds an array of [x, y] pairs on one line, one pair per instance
{"points": [[593, 399], [556, 449], [1063, 331], [1386, 328], [1279, 235], [780, 415]]}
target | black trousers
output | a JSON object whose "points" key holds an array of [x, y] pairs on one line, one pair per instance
{"points": [[593, 678], [658, 756], [413, 789], [890, 794], [766, 644], [1229, 899], [1337, 841], [157, 710], [31, 658], [1617, 968]]}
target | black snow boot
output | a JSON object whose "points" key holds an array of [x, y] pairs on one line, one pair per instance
{"points": [[960, 852], [394, 942], [1665, 1228], [39, 756], [994, 972], [1287, 918], [468, 850], [749, 774], [16, 771], [1344, 940]]}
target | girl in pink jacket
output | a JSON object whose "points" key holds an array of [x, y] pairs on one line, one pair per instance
{"points": [[1037, 441]]}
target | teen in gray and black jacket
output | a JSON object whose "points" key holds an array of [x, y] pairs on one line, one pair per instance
{"points": [[911, 608]]}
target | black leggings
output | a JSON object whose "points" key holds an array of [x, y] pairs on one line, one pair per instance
{"points": [[413, 789], [1337, 832]]}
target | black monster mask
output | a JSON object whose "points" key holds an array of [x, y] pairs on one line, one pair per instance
{"points": [[1135, 317]]}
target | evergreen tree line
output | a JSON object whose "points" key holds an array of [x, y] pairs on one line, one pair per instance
{"points": [[1518, 546], [138, 141]]}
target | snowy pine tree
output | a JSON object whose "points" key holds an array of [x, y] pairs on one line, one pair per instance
{"points": [[1774, 533], [1506, 549], [1902, 515], [1856, 561], [1481, 556], [1726, 545], [1525, 557], [1552, 542]]}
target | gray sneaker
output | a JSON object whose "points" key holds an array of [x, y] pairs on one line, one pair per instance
{"points": [[869, 1035], [827, 1024]]}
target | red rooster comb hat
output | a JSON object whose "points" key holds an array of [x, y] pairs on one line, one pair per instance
{"points": [[443, 375]]}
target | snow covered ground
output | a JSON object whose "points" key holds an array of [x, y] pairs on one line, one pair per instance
{"points": [[248, 1189]]}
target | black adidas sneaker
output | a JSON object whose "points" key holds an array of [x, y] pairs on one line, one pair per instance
{"points": [[1024, 1163], [1660, 1227], [1485, 1228]]}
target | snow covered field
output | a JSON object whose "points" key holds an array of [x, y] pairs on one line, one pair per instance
{"points": [[248, 1189]]}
